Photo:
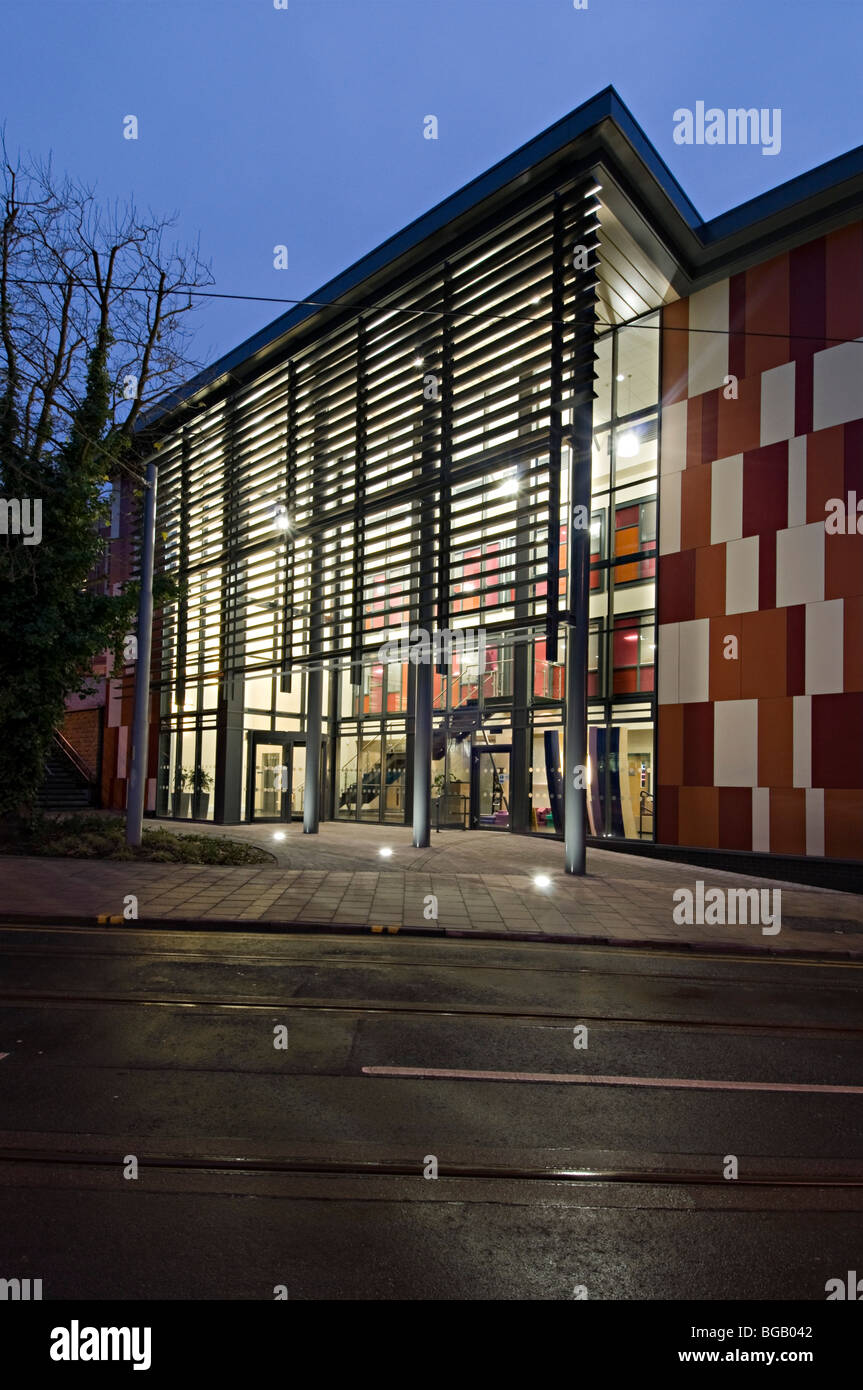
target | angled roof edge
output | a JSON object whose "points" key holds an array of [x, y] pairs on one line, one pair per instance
{"points": [[622, 135], [811, 184]]}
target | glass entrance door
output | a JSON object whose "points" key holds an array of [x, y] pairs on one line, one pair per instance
{"points": [[394, 792], [489, 788], [297, 792], [272, 775], [277, 776]]}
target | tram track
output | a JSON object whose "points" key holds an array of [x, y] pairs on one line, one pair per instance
{"points": [[399, 1167], [42, 999]]}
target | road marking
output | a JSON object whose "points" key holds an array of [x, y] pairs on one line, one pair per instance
{"points": [[582, 1079]]}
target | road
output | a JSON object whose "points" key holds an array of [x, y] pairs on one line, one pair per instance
{"points": [[599, 1168]]}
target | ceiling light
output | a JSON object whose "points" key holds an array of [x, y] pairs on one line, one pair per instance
{"points": [[281, 517], [620, 377], [627, 445], [418, 361], [508, 487]]}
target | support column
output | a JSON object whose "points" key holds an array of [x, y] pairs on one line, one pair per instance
{"points": [[519, 817], [227, 800], [582, 307], [315, 674], [314, 716], [422, 755], [432, 560], [575, 771], [230, 717], [141, 727]]}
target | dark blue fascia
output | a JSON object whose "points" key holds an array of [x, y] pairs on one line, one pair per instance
{"points": [[812, 184], [605, 106]]}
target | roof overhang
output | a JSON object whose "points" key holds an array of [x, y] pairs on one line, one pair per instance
{"points": [[656, 246]]}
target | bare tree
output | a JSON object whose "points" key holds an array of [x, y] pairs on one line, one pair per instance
{"points": [[95, 305]]}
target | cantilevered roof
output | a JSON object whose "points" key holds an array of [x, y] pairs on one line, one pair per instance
{"points": [[654, 245]]}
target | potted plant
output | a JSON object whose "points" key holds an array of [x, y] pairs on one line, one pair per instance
{"points": [[441, 780], [195, 783], [448, 797], [186, 778], [202, 784]]}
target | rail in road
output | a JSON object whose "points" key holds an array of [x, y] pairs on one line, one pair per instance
{"points": [[555, 1166]]}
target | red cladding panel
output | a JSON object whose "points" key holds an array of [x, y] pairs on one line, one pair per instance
{"points": [[795, 650], [676, 600], [765, 490], [837, 740], [735, 818], [667, 798], [698, 744], [737, 325]]}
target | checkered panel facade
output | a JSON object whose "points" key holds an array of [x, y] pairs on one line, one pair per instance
{"points": [[760, 606]]}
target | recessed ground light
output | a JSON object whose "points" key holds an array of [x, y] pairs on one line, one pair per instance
{"points": [[278, 834], [620, 377], [386, 852], [542, 881]]}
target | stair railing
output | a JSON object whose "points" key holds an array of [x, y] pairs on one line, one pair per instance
{"points": [[75, 757]]}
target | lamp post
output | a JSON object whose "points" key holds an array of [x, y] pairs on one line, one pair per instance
{"points": [[140, 727]]}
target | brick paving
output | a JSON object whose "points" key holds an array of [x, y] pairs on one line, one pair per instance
{"points": [[482, 881]]}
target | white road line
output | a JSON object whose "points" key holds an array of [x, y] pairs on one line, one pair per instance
{"points": [[582, 1079]]}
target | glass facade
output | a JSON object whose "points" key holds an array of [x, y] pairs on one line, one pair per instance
{"points": [[622, 654], [401, 474]]}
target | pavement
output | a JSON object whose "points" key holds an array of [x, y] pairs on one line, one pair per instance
{"points": [[478, 883]]}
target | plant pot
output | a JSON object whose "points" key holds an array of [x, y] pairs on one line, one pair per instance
{"points": [[202, 805], [185, 805]]}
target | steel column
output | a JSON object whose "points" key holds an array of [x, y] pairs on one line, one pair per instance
{"points": [[141, 726], [314, 716]]}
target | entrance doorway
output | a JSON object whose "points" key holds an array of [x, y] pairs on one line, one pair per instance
{"points": [[372, 778], [277, 776], [490, 788]]}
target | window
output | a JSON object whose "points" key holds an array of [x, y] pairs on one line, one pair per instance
{"points": [[633, 653], [634, 533]]}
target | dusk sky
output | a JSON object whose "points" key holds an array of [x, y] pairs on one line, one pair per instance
{"points": [[304, 126]]}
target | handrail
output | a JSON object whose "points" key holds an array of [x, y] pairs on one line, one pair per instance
{"points": [[75, 757]]}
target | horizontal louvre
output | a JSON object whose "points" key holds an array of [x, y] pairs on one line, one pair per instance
{"points": [[414, 454]]}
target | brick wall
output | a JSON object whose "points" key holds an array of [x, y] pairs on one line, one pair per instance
{"points": [[81, 729]]}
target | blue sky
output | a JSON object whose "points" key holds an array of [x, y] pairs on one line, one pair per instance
{"points": [[304, 127]]}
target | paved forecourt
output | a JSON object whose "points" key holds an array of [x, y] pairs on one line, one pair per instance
{"points": [[478, 882]]}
